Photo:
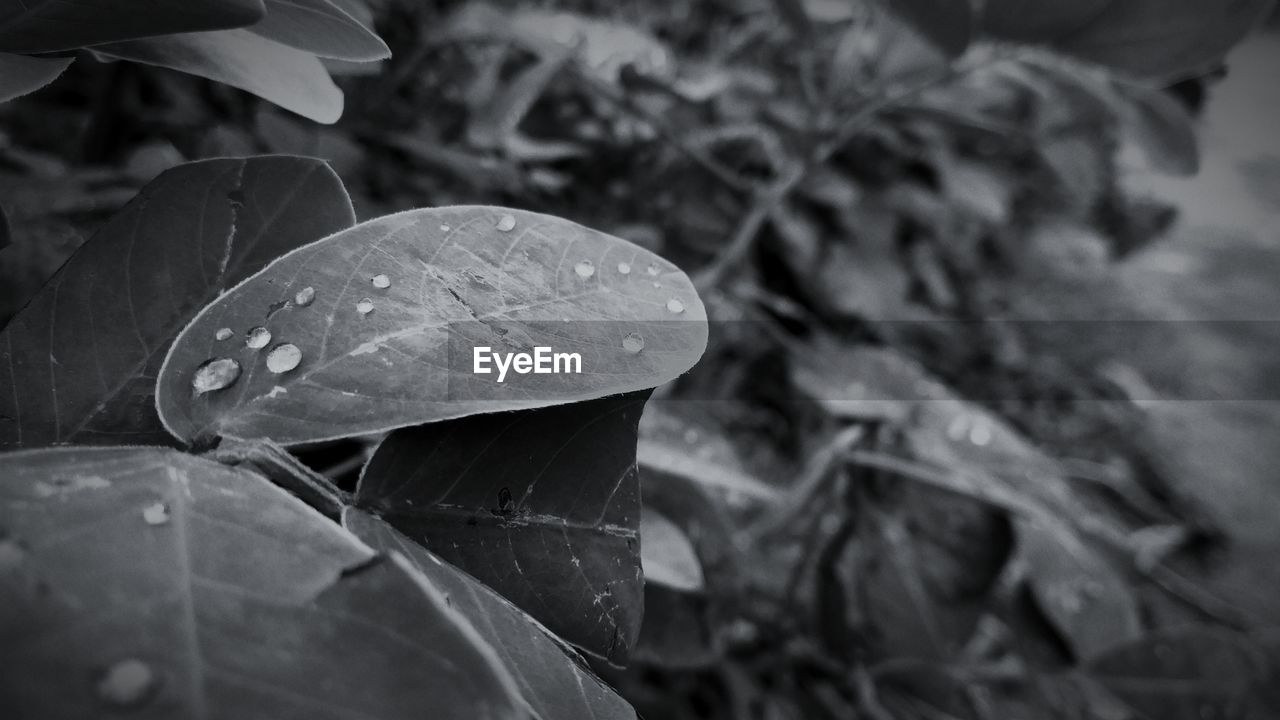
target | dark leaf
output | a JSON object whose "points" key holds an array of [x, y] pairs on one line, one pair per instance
{"points": [[1161, 127], [320, 27], [294, 79], [1033, 21], [1190, 674], [6, 232], [541, 505], [31, 26], [171, 586], [554, 684], [20, 75], [401, 302], [80, 361], [948, 24]]}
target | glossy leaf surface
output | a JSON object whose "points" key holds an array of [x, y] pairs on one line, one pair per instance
{"points": [[47, 25]]}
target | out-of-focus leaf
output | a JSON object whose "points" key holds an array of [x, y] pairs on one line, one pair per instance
{"points": [[554, 684], [1039, 20], [293, 79], [80, 361], [320, 27], [1157, 40], [399, 304], [20, 74], [541, 505], [165, 585], [1189, 674], [32, 26], [666, 554], [1162, 128], [948, 24], [6, 233], [1085, 599]]}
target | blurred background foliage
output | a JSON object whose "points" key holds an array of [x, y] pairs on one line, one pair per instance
{"points": [[893, 507]]}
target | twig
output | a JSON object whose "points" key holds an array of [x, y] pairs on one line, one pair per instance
{"points": [[815, 477]]}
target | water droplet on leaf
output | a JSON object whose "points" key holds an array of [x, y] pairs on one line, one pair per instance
{"points": [[223, 334], [304, 296], [283, 358], [258, 338], [675, 306], [980, 433], [624, 268], [653, 270], [215, 374], [585, 269], [156, 514], [128, 682], [382, 282], [445, 228], [365, 306], [507, 223], [633, 343]]}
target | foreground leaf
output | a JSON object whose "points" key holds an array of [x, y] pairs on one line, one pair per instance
{"points": [[171, 586], [79, 363], [401, 302], [20, 75], [32, 26], [554, 684], [294, 79], [322, 28], [542, 506]]}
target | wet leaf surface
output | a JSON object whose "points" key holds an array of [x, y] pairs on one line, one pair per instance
{"points": [[79, 363], [31, 26], [541, 505], [171, 586], [555, 684], [399, 304]]}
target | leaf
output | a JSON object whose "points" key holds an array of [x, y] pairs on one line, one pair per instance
{"points": [[457, 278], [33, 26], [948, 24], [667, 555], [1085, 599], [6, 232], [293, 79], [543, 506], [20, 75], [1161, 127], [1157, 40], [79, 363], [554, 684], [1189, 674], [1033, 21], [320, 27], [146, 580]]}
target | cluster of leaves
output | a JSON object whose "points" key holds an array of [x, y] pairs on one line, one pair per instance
{"points": [[209, 591], [276, 49], [847, 538]]}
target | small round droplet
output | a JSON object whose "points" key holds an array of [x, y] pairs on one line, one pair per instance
{"points": [[633, 343], [445, 228], [585, 269], [156, 514], [126, 683], [507, 223], [624, 268], [215, 374], [365, 306], [980, 434], [675, 306], [653, 270], [258, 338], [382, 282], [223, 334], [283, 358], [305, 296]]}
